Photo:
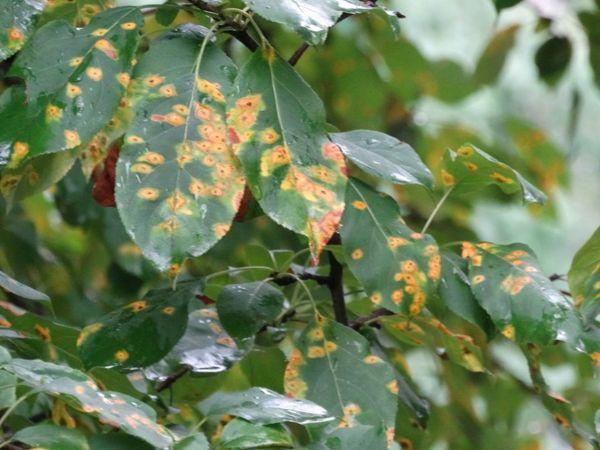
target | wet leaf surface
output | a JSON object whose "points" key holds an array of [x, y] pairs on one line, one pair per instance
{"points": [[239, 434], [17, 21]]}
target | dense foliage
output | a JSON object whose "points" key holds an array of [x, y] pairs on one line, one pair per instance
{"points": [[208, 241]]}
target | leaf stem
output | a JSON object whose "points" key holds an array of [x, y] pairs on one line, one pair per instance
{"points": [[436, 209]]}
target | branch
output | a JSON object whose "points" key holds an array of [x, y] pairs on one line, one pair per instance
{"points": [[361, 321], [167, 382], [285, 279], [336, 284]]}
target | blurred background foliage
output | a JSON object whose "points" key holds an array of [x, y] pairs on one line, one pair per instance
{"points": [[516, 82]]}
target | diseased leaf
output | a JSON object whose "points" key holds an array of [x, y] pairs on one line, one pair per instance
{"points": [[52, 437], [398, 268], [384, 157], [469, 169], [245, 308], [17, 20], [332, 365], [178, 184], [205, 348], [77, 389], [263, 406], [138, 334], [76, 12], [521, 301], [85, 71], [277, 124], [20, 289], [584, 276], [239, 434]]}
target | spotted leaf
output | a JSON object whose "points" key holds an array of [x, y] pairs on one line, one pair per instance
{"points": [[332, 365], [178, 183], [204, 349], [76, 12], [398, 267], [469, 169], [384, 156], [522, 302], [138, 334], [277, 125], [584, 276], [17, 21], [81, 87], [81, 392]]}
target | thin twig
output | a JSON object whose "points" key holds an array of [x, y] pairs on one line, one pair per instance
{"points": [[361, 321], [336, 284], [167, 382]]}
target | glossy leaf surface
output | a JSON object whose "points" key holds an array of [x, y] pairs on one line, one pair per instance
{"points": [[76, 12], [17, 20], [332, 365], [469, 169], [585, 270], [52, 437], [239, 434], [263, 406], [84, 73], [297, 175], [196, 442], [245, 308], [20, 289], [178, 184], [140, 333], [384, 156], [398, 267]]}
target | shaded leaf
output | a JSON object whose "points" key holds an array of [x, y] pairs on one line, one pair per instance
{"points": [[205, 348], [384, 157], [178, 184], [166, 14], [245, 308], [76, 12], [584, 276], [52, 437], [297, 175], [521, 301], [195, 442], [332, 365], [469, 169], [79, 390], [239, 434], [590, 20], [553, 58], [20, 289], [17, 20], [502, 4], [117, 441], [263, 406], [398, 267], [491, 62], [84, 72], [138, 334]]}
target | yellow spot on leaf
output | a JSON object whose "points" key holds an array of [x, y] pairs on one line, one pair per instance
{"points": [[71, 138], [53, 113], [122, 356], [509, 332], [141, 168], [501, 178], [372, 359], [376, 298], [357, 254], [128, 26], [153, 80], [447, 178], [94, 73], [99, 32], [316, 352], [74, 62], [72, 90], [478, 279], [138, 305], [148, 193]]}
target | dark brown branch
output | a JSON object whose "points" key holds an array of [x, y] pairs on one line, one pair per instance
{"points": [[166, 383], [361, 321], [336, 284], [285, 279], [298, 53]]}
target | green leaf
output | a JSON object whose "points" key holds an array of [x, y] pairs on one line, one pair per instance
{"points": [[85, 71], [278, 124], [117, 441], [178, 183], [502, 4], [398, 267], [455, 292], [76, 12], [17, 21], [458, 348], [521, 301], [20, 289], [332, 365], [239, 434], [245, 308], [263, 406], [205, 348], [8, 388], [589, 20], [77, 389], [491, 62], [52, 437], [195, 442], [553, 58], [384, 157], [138, 334], [469, 169], [584, 276], [166, 14]]}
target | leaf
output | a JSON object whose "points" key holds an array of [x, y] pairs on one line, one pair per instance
{"points": [[76, 12], [297, 175], [81, 392], [196, 442], [52, 437], [491, 62], [263, 406], [589, 20], [205, 348], [502, 4], [553, 58], [521, 301], [455, 292], [138, 334], [239, 434], [332, 365], [8, 387], [246, 308], [178, 183], [117, 441], [584, 276], [469, 169], [166, 14], [458, 348], [20, 289], [398, 267], [84, 73], [384, 157], [17, 20]]}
